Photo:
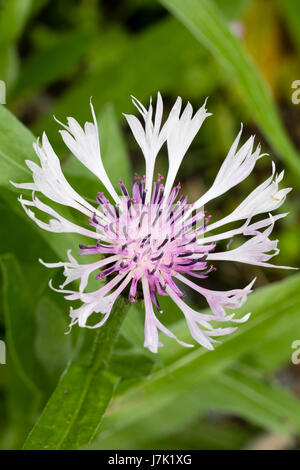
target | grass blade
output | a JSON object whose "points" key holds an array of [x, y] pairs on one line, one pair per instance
{"points": [[206, 23]]}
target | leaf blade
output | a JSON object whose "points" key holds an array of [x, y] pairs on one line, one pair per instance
{"points": [[205, 22], [184, 372], [83, 393]]}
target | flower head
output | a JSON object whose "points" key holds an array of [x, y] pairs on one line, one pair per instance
{"points": [[148, 238]]}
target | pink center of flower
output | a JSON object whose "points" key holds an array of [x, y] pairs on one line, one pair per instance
{"points": [[155, 239]]}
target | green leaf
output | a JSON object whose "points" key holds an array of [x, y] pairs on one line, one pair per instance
{"points": [[113, 82], [185, 370], [52, 346], [9, 66], [74, 412], [207, 434], [205, 22], [12, 242], [130, 359], [13, 16], [275, 351], [291, 11], [217, 394], [52, 63], [24, 372], [19, 318], [236, 391], [15, 147], [233, 9]]}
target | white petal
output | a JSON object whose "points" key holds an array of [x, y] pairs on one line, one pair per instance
{"points": [[245, 229], [153, 325], [58, 224], [49, 180], [265, 198], [152, 136], [73, 270], [258, 250], [85, 145], [236, 167], [180, 134]]}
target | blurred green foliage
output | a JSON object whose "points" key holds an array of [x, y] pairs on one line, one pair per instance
{"points": [[55, 56]]}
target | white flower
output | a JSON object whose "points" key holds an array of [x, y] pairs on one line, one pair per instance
{"points": [[147, 241]]}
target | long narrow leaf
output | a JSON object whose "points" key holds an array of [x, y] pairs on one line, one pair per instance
{"points": [[205, 22], [234, 391], [23, 370], [182, 374], [73, 414]]}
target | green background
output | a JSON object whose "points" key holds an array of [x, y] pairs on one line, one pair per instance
{"points": [[102, 389]]}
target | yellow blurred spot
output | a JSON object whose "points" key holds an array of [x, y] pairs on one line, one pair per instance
{"points": [[263, 39]]}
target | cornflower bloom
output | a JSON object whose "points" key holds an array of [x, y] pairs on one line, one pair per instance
{"points": [[149, 238]]}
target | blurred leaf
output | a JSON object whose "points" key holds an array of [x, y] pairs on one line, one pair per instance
{"points": [[15, 147], [275, 351], [51, 64], [268, 406], [130, 365], [291, 12], [73, 414], [178, 398], [234, 8], [9, 67], [13, 16], [146, 64], [207, 434], [12, 242], [130, 359], [37, 5], [234, 391], [19, 317], [14, 239], [24, 372], [185, 370], [52, 345], [133, 329], [206, 23]]}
